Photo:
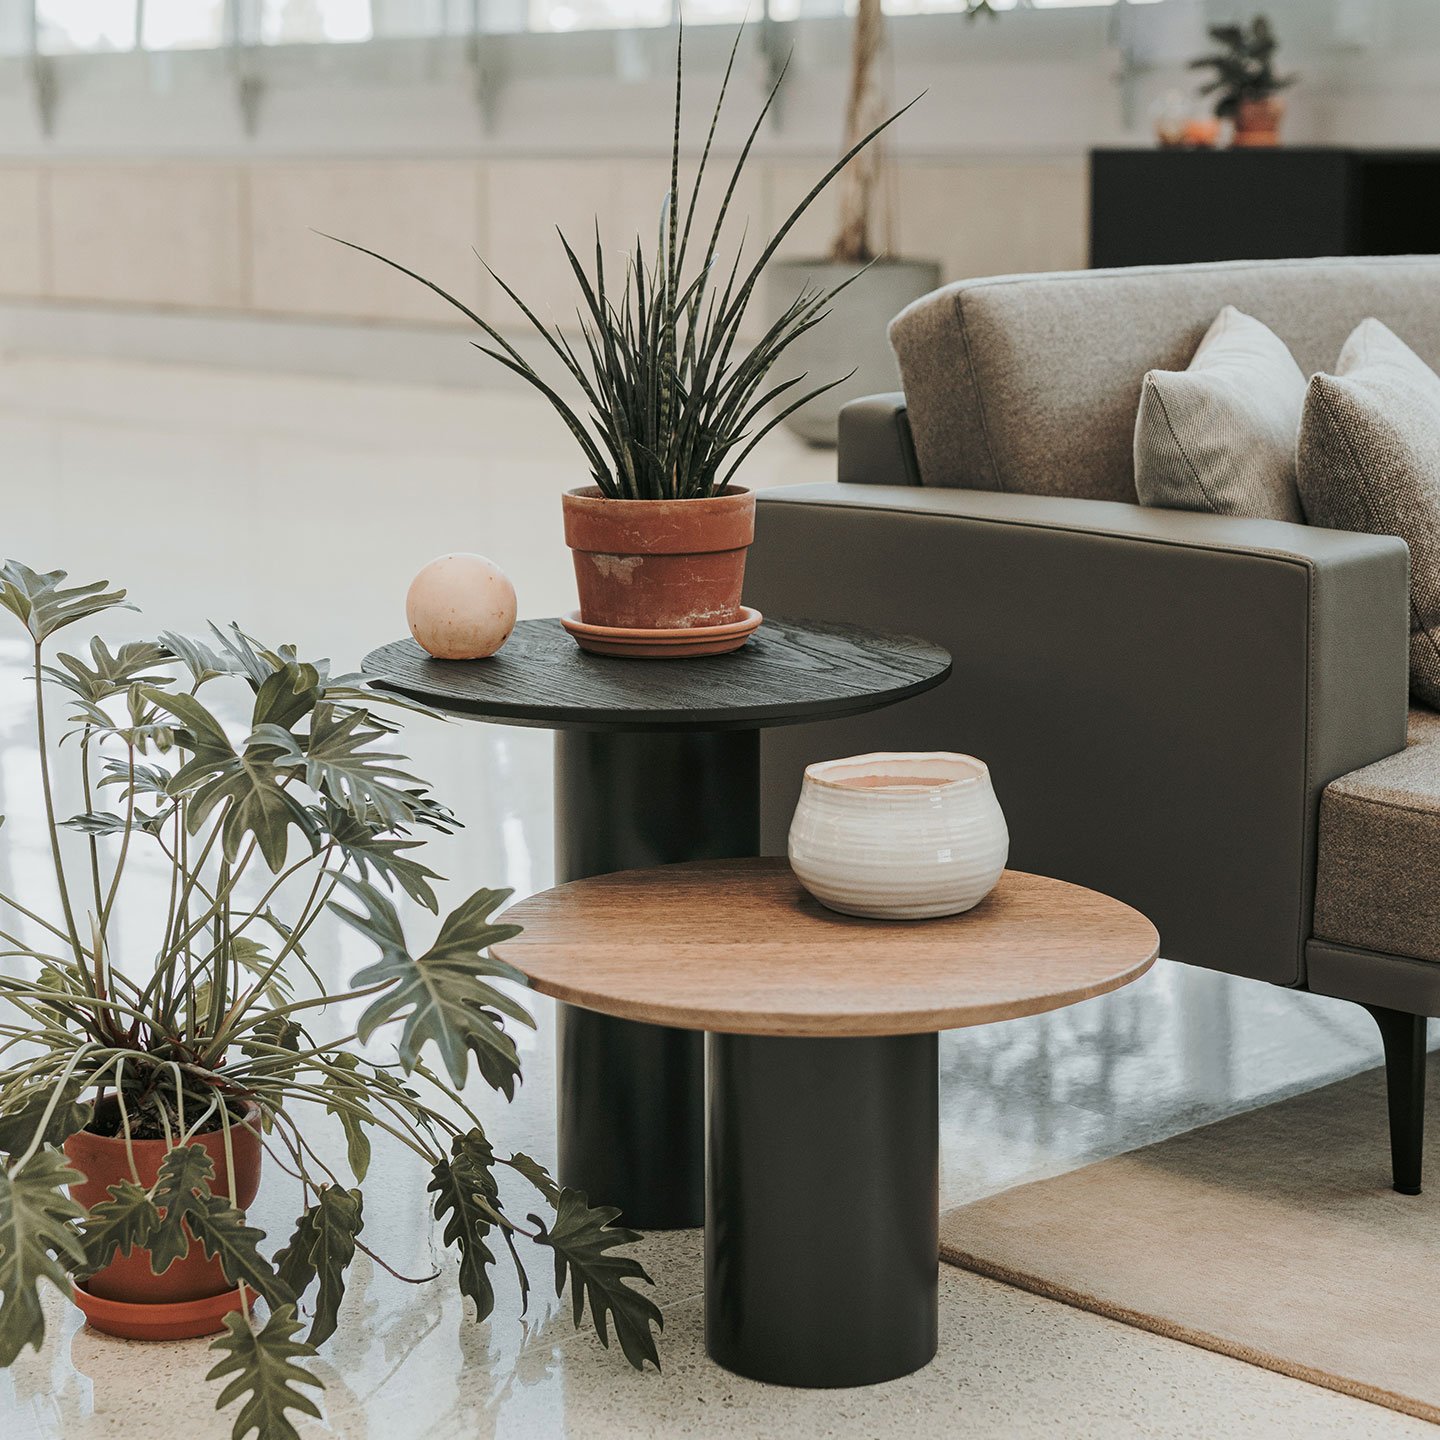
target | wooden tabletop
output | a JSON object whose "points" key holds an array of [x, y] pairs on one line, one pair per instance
{"points": [[789, 671], [738, 946]]}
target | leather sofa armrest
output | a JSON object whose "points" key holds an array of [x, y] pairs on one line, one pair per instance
{"points": [[875, 444], [1162, 696]]}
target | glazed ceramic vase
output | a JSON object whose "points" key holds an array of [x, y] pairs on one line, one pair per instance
{"points": [[659, 564], [899, 836]]}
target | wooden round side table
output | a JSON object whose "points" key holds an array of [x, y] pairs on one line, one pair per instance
{"points": [[655, 761], [822, 1057]]}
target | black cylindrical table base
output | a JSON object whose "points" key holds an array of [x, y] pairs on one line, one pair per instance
{"points": [[822, 1219], [631, 1097]]}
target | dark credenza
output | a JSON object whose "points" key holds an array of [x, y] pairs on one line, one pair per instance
{"points": [[1165, 207]]}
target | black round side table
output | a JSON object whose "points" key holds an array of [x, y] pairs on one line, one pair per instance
{"points": [[656, 761]]}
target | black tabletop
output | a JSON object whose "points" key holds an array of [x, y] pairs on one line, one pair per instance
{"points": [[788, 672]]}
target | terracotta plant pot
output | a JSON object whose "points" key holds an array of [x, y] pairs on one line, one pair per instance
{"points": [[128, 1280], [659, 564], [1257, 122]]}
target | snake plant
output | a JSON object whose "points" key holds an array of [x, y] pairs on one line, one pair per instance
{"points": [[674, 400]]}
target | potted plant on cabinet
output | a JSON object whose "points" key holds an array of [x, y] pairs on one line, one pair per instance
{"points": [[137, 1096], [1245, 85], [890, 282], [675, 400]]}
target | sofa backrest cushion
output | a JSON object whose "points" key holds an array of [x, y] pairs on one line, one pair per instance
{"points": [[1030, 383]]}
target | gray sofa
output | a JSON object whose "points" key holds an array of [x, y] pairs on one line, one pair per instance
{"points": [[1204, 716]]}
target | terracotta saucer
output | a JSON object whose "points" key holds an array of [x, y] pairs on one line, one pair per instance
{"points": [[662, 644], [174, 1320]]}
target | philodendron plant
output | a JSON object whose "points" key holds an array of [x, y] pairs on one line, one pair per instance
{"points": [[300, 813]]}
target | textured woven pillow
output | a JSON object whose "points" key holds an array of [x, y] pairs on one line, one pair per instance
{"points": [[1220, 436], [1369, 459]]}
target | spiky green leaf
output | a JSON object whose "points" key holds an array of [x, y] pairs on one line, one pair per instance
{"points": [[22, 1115], [180, 1192], [444, 995], [225, 1236], [537, 1175], [42, 604], [465, 1195], [322, 1248], [263, 1364], [350, 1097], [38, 1241], [127, 1219], [584, 1240]]}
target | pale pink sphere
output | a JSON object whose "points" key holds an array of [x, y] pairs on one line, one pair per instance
{"points": [[461, 607]]}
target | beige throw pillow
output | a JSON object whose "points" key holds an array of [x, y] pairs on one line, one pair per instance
{"points": [[1220, 435], [1369, 459]]}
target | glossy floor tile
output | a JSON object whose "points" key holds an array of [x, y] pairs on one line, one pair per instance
{"points": [[301, 508]]}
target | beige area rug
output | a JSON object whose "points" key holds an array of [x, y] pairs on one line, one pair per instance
{"points": [[1272, 1237]]}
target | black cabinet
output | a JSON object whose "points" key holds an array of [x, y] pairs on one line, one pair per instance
{"points": [[1165, 207]]}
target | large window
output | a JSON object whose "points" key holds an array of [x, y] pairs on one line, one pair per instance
{"points": [[291, 22], [66, 27], [182, 24]]}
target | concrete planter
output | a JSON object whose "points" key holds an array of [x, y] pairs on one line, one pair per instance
{"points": [[852, 337]]}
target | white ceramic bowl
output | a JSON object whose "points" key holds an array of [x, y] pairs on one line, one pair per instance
{"points": [[899, 837]]}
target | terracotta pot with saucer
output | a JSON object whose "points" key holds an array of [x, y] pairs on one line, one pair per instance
{"points": [[659, 566], [192, 1296]]}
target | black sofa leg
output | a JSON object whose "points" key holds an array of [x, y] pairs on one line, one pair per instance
{"points": [[1404, 1037]]}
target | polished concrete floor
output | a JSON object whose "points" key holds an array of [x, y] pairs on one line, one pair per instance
{"points": [[301, 508]]}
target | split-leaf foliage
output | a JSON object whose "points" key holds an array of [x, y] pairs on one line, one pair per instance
{"points": [[268, 789]]}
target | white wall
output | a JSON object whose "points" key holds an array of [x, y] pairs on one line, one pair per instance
{"points": [[150, 196]]}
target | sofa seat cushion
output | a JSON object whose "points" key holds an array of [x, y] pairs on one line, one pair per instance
{"points": [[1377, 883]]}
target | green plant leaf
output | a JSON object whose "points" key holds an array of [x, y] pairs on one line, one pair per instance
{"points": [[537, 1175], [223, 1232], [110, 672], [180, 1191], [293, 1263], [343, 1082], [465, 1196], [203, 663], [443, 995], [119, 1224], [269, 1033], [365, 848], [38, 1241], [96, 822], [341, 764], [263, 1364], [253, 957], [247, 786], [41, 604], [583, 1240], [322, 1247], [286, 696], [22, 1117]]}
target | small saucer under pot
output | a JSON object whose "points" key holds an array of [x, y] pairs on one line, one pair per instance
{"points": [[663, 644], [176, 1320]]}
